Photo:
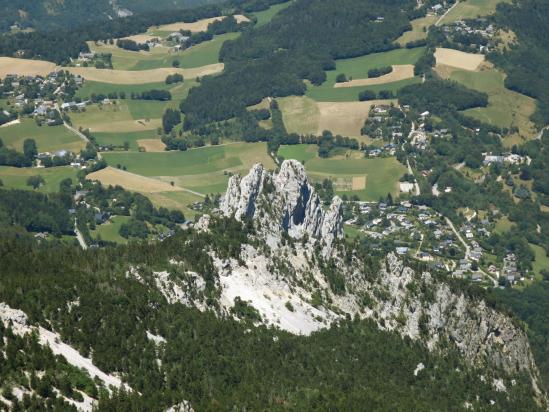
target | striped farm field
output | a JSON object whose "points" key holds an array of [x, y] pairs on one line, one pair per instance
{"points": [[25, 67], [129, 77]]}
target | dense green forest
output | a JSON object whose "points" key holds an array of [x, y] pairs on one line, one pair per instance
{"points": [[44, 15], [60, 44]]}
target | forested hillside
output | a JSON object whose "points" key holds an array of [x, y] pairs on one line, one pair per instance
{"points": [[48, 14], [526, 62], [299, 44], [217, 363]]}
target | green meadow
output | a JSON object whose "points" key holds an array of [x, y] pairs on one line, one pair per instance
{"points": [[16, 178], [265, 16], [48, 138], [204, 170], [108, 231], [301, 152], [505, 108], [196, 56], [471, 9], [118, 139], [357, 68]]}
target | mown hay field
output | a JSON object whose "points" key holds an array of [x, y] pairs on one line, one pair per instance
{"points": [[305, 116], [399, 72], [111, 176], [197, 26], [458, 59], [129, 77], [25, 67]]}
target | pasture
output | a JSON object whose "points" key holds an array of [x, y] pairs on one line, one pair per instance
{"points": [[419, 30], [357, 68], [203, 170], [25, 67], [48, 138], [91, 87], [16, 178], [108, 231], [506, 108], [300, 152], [471, 9], [458, 59], [369, 179], [541, 261], [303, 115], [119, 138], [202, 54], [124, 116], [129, 77], [265, 16]]}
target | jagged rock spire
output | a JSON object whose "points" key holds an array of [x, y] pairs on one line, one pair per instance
{"points": [[285, 201]]}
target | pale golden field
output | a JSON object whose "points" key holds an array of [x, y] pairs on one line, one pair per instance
{"points": [[345, 118], [152, 145], [140, 38], [197, 26], [459, 59], [142, 76], [25, 67], [130, 181], [305, 116], [400, 72]]}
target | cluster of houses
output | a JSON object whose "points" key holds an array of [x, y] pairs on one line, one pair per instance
{"points": [[479, 27], [416, 231], [509, 158]]}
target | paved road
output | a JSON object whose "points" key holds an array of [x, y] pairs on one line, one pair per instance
{"points": [[468, 251], [411, 172], [447, 11]]}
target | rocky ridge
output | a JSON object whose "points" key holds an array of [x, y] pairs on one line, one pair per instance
{"points": [[302, 278]]}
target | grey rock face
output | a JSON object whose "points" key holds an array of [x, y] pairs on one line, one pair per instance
{"points": [[283, 202]]}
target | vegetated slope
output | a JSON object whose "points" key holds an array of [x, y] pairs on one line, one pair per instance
{"points": [[526, 62], [50, 14], [301, 42], [165, 317]]}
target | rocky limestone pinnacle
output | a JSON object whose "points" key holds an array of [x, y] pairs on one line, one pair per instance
{"points": [[286, 201]]}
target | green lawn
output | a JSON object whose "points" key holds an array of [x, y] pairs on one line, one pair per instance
{"points": [[542, 260], [357, 68], [48, 138], [16, 178], [471, 9], [118, 139], [265, 16], [108, 231], [505, 108], [301, 152]]}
